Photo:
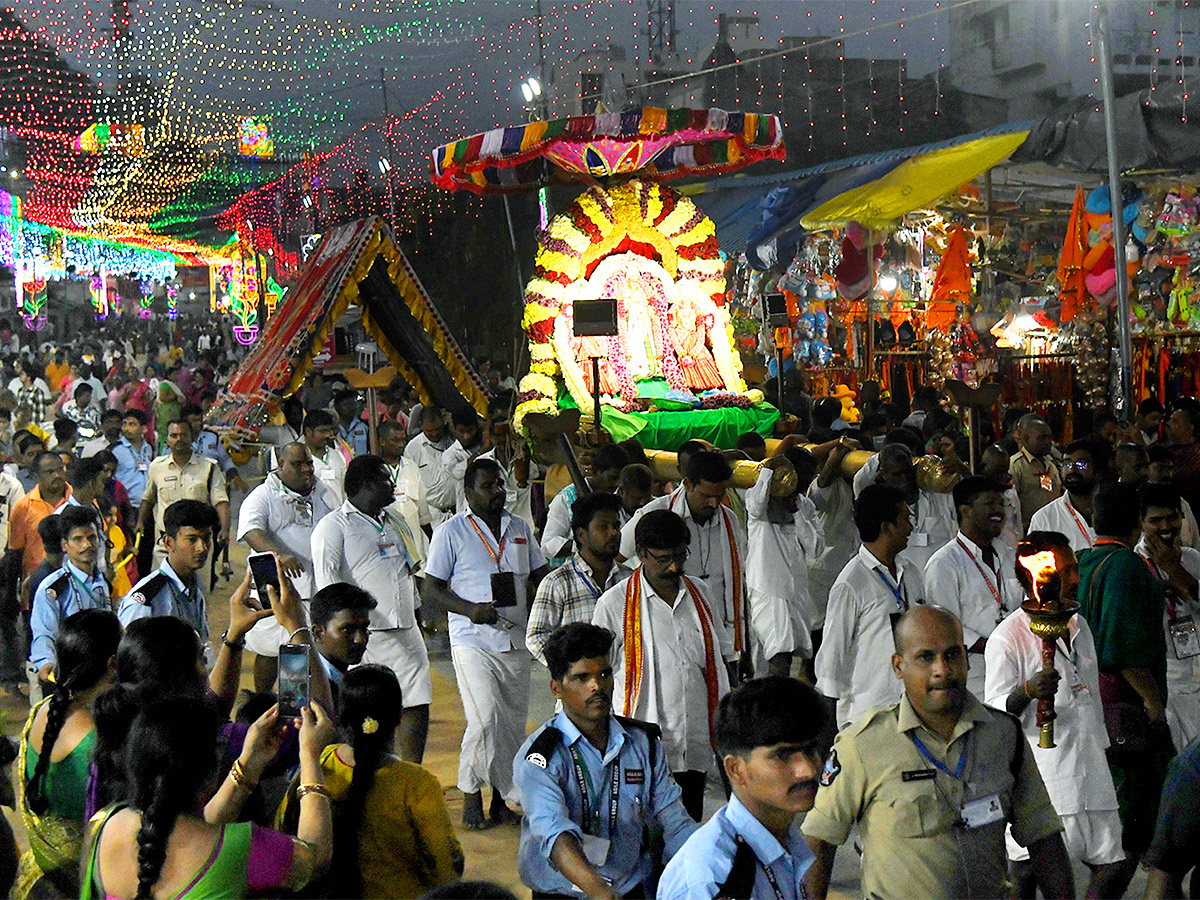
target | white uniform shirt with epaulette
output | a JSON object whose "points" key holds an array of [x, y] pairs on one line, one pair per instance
{"points": [[163, 593], [932, 821]]}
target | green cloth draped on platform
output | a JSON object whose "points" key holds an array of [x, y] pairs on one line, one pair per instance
{"points": [[667, 430]]}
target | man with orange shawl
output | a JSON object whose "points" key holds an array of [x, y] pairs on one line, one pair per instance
{"points": [[672, 655]]}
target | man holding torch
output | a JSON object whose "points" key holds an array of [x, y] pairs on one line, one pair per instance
{"points": [[1074, 769]]}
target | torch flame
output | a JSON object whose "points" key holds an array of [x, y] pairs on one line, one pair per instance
{"points": [[1040, 567]]}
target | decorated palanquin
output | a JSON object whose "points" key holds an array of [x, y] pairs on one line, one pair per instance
{"points": [[671, 372], [655, 253]]}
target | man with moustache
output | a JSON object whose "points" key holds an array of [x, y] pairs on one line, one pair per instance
{"points": [[341, 627], [1033, 472], [873, 590], [994, 463], [973, 576], [1071, 514], [768, 737], [591, 782], [569, 593], [1177, 569], [932, 781]]}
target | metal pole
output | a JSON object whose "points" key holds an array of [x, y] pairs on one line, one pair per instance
{"points": [[1124, 343], [512, 236]]}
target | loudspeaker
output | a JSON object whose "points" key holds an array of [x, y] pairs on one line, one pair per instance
{"points": [[595, 318], [777, 313]]}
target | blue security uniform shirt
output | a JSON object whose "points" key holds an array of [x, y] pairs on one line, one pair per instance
{"points": [[698, 871], [132, 466], [208, 444], [553, 804], [73, 591], [166, 596], [358, 436]]}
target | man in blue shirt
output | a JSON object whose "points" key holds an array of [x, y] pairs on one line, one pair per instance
{"points": [[590, 782], [208, 443], [134, 455], [78, 585], [174, 588], [351, 427], [767, 734]]}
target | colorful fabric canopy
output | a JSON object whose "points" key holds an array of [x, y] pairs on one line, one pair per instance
{"points": [[654, 144]]}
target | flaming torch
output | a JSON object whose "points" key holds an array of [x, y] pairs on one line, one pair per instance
{"points": [[1049, 616]]}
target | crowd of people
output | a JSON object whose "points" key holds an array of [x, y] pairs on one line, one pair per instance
{"points": [[846, 645]]}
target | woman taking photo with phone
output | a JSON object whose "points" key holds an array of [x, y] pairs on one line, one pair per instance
{"points": [[158, 845], [56, 751], [394, 833]]}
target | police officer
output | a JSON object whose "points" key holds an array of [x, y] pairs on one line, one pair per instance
{"points": [[768, 733], [208, 443], [932, 781], [591, 781], [174, 588], [78, 585]]}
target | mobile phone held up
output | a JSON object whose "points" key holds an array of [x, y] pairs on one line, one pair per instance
{"points": [[264, 570], [294, 686]]}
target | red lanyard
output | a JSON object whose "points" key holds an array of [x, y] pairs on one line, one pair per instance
{"points": [[1087, 537], [487, 544], [1168, 593], [994, 588]]}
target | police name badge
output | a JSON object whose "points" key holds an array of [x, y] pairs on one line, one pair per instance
{"points": [[984, 811], [1184, 639]]}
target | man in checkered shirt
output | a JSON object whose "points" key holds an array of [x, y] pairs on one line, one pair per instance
{"points": [[569, 593]]}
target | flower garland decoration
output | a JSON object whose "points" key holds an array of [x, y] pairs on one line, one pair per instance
{"points": [[620, 222]]}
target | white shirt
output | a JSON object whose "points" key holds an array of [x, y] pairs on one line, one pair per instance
{"points": [[708, 549], [958, 578], [674, 694], [935, 522], [348, 545], [1011, 536], [1075, 771], [428, 455], [289, 519], [449, 488], [854, 663], [10, 492], [1183, 675], [410, 495], [557, 531], [835, 517], [1059, 515], [466, 559], [777, 554]]}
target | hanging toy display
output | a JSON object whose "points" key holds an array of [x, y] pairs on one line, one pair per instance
{"points": [[941, 356], [1087, 337]]}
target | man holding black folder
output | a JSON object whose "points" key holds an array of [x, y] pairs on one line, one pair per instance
{"points": [[484, 566]]}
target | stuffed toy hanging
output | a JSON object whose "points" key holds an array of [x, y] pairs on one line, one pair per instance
{"points": [[855, 272]]}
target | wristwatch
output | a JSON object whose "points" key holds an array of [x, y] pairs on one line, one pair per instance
{"points": [[232, 645]]}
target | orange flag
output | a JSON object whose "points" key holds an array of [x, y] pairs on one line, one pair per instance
{"points": [[951, 284], [1071, 289]]}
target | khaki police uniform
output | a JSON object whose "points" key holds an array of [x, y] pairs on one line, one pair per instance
{"points": [[925, 832], [198, 479]]}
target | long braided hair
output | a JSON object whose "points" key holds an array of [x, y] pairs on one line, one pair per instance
{"points": [[156, 657], [368, 692], [170, 756], [85, 644]]}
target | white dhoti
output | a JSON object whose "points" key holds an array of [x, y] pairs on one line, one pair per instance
{"points": [[403, 651], [495, 694], [1183, 712], [1092, 836], [779, 625]]}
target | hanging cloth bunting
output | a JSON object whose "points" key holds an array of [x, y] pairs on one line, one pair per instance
{"points": [[952, 284], [1071, 287]]}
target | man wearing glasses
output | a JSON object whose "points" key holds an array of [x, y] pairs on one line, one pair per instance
{"points": [[671, 655], [278, 517], [364, 544], [1071, 514]]}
